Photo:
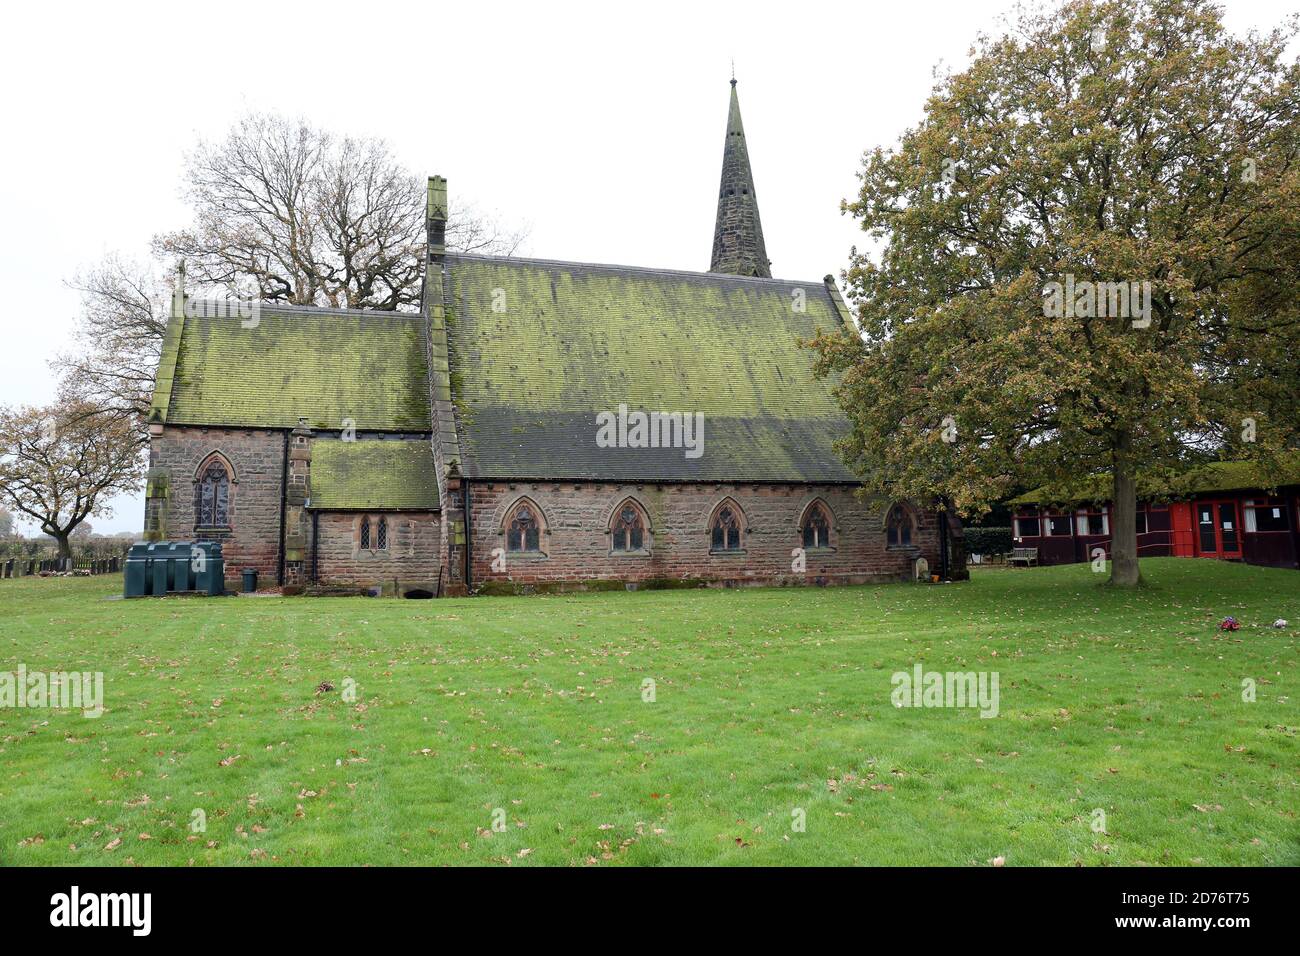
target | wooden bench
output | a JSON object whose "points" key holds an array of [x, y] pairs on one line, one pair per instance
{"points": [[1028, 555]]}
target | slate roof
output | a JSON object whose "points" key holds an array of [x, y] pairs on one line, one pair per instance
{"points": [[570, 340], [324, 365], [1210, 478], [373, 474]]}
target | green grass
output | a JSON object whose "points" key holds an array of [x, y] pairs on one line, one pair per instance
{"points": [[767, 701]]}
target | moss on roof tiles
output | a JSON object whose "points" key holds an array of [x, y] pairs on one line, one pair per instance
{"points": [[567, 341], [318, 364], [373, 474]]}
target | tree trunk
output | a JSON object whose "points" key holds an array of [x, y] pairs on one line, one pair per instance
{"points": [[1124, 571], [65, 549]]}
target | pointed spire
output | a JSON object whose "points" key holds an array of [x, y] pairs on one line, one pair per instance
{"points": [[738, 247]]}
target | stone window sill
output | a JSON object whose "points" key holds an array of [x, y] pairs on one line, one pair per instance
{"points": [[738, 553], [526, 556], [215, 529], [638, 553], [814, 552]]}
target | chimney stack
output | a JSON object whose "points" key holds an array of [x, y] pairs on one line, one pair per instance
{"points": [[437, 217]]}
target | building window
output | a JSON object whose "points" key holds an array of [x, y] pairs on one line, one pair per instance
{"points": [[1267, 515], [817, 527], [1057, 526], [898, 527], [629, 530], [523, 533], [381, 535], [365, 533], [725, 532], [1027, 526], [1094, 522], [1140, 520], [212, 496]]}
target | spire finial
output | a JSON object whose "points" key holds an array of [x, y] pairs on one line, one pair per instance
{"points": [[733, 71]]}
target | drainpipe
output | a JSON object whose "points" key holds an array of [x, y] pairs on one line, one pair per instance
{"points": [[469, 537], [315, 546], [942, 517], [284, 490]]}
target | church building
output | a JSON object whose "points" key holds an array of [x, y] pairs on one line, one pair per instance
{"points": [[536, 425]]}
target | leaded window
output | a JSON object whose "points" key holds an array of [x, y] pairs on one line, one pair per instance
{"points": [[212, 504], [629, 530], [524, 533], [726, 530], [898, 527], [817, 528]]}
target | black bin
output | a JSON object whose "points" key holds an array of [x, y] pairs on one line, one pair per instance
{"points": [[250, 580]]}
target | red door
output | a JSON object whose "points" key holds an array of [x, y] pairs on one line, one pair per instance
{"points": [[1218, 532], [1180, 520]]}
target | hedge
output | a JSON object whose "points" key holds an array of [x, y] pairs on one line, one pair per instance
{"points": [[987, 540]]}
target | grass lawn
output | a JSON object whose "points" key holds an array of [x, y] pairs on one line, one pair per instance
{"points": [[767, 702]]}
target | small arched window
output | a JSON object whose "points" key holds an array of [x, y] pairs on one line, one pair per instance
{"points": [[898, 527], [523, 532], [817, 528], [365, 533], [725, 533], [212, 496], [629, 530], [381, 535]]}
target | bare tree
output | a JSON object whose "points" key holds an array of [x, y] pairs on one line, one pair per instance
{"points": [[120, 332], [311, 218], [60, 465]]}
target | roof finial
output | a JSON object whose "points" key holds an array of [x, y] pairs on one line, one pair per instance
{"points": [[733, 71]]}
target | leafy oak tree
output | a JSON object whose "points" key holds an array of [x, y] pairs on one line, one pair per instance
{"points": [[1077, 269]]}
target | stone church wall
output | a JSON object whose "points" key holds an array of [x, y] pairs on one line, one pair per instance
{"points": [[576, 546], [411, 558], [257, 459]]}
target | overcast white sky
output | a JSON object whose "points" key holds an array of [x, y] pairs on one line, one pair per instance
{"points": [[599, 126]]}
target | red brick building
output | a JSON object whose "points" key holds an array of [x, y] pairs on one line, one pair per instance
{"points": [[537, 424]]}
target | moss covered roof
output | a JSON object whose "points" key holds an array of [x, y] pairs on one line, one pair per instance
{"points": [[319, 364], [1209, 478], [540, 348], [373, 474]]}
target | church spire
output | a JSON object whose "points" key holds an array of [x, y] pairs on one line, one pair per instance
{"points": [[738, 247]]}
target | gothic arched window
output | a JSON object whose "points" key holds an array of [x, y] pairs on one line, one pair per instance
{"points": [[523, 533], [381, 535], [365, 533], [212, 496], [898, 527], [629, 530], [725, 532], [817, 528]]}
